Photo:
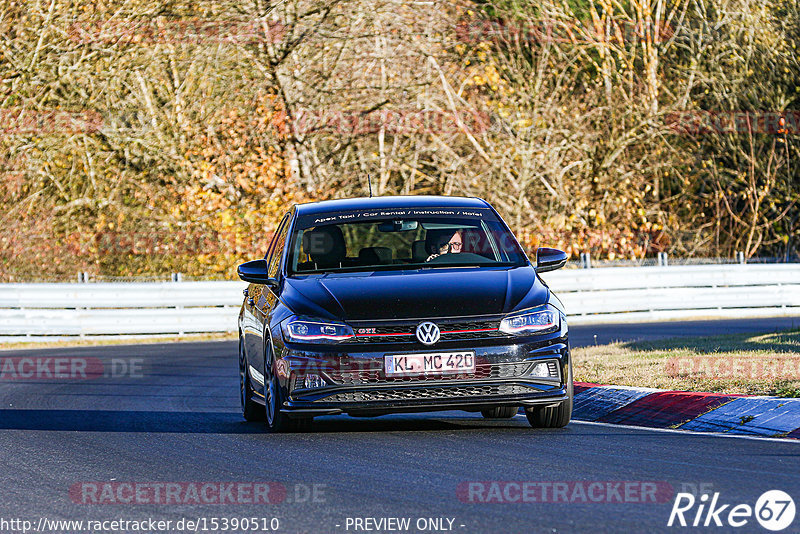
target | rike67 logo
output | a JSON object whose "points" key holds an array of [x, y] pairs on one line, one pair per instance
{"points": [[774, 510]]}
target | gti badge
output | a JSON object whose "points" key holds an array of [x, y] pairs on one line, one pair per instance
{"points": [[428, 333]]}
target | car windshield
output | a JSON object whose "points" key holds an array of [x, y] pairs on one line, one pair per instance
{"points": [[401, 239]]}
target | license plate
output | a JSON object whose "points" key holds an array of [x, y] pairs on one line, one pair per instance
{"points": [[439, 363]]}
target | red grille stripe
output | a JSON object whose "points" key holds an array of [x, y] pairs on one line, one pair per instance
{"points": [[473, 330], [388, 334]]}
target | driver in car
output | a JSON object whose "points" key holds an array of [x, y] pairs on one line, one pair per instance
{"points": [[440, 242]]}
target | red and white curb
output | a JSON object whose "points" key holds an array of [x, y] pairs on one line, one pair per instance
{"points": [[684, 410]]}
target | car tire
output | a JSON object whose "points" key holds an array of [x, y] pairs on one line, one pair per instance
{"points": [[251, 410], [276, 420], [553, 416], [500, 412]]}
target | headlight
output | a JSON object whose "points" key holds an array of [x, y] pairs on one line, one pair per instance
{"points": [[311, 331], [539, 320]]}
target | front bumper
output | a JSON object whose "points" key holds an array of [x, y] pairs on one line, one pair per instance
{"points": [[356, 385]]}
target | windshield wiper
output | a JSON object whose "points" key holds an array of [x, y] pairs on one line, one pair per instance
{"points": [[402, 267], [449, 265]]}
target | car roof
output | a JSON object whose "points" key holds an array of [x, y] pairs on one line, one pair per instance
{"points": [[410, 201]]}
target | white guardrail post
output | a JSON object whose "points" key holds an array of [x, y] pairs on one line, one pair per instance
{"points": [[612, 294]]}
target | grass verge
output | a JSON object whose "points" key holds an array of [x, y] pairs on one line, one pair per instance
{"points": [[765, 364]]}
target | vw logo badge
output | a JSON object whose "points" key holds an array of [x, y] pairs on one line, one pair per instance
{"points": [[428, 333]]}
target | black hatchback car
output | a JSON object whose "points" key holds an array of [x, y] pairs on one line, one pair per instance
{"points": [[380, 305]]}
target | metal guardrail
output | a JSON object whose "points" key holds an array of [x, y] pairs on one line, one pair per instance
{"points": [[28, 311], [658, 293], [121, 295]]}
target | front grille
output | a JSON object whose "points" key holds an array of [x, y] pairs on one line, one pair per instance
{"points": [[428, 393], [406, 332], [482, 370]]}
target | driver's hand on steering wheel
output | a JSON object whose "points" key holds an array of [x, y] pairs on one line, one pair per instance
{"points": [[433, 256]]}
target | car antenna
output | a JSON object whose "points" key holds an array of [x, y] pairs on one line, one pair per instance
{"points": [[369, 182]]}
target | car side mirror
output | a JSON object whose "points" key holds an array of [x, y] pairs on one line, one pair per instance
{"points": [[256, 272], [550, 259]]}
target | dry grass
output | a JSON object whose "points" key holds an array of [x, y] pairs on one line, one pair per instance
{"points": [[767, 364]]}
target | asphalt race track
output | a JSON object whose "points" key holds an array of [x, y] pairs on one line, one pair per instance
{"points": [[172, 415]]}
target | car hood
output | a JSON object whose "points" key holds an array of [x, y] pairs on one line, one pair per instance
{"points": [[414, 294]]}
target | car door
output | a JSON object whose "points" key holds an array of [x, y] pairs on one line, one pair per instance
{"points": [[271, 294], [267, 298], [254, 316]]}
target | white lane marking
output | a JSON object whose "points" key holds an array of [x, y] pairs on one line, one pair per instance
{"points": [[687, 432]]}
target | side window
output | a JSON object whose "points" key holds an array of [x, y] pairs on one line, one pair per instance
{"points": [[276, 250], [275, 237]]}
